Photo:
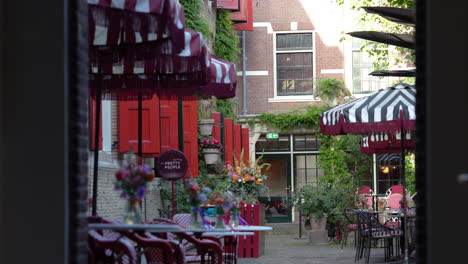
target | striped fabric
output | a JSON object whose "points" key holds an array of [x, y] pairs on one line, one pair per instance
{"points": [[113, 22], [384, 142], [386, 110]]}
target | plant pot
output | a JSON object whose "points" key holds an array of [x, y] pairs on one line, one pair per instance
{"points": [[211, 155], [205, 126], [318, 234]]}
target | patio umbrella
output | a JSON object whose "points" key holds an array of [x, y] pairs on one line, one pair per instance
{"points": [[400, 40], [395, 73], [405, 16], [388, 110], [385, 143]]}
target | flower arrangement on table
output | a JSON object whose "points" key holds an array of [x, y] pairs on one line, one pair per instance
{"points": [[247, 180], [196, 196], [131, 179], [210, 143], [223, 202]]}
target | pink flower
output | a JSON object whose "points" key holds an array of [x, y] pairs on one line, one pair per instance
{"points": [[252, 178]]}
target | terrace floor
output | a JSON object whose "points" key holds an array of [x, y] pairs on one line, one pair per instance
{"points": [[285, 249]]}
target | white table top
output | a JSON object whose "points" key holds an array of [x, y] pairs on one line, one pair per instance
{"points": [[223, 234], [252, 228], [137, 227]]}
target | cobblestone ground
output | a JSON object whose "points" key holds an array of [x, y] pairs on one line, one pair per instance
{"points": [[287, 250]]}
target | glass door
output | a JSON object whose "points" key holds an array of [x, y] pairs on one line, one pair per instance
{"points": [[279, 183]]}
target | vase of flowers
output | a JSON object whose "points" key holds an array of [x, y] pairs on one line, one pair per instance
{"points": [[246, 180], [131, 180], [223, 201], [210, 148], [196, 195]]}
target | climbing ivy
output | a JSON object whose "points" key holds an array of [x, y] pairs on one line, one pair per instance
{"points": [[307, 117], [226, 44], [193, 20]]}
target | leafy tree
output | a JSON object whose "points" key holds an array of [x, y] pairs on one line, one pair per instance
{"points": [[377, 23]]}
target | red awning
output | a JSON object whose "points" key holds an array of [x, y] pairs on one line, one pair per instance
{"points": [[116, 25], [192, 71]]}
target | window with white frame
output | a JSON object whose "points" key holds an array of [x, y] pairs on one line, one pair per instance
{"points": [[294, 64], [362, 66]]}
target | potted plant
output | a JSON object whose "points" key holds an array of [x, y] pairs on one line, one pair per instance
{"points": [[210, 148], [330, 89], [316, 204], [205, 122]]}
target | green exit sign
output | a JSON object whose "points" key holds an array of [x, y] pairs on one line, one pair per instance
{"points": [[272, 135]]}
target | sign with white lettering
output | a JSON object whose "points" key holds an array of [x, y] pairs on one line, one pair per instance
{"points": [[172, 165]]}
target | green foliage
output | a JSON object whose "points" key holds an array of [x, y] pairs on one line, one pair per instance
{"points": [[226, 106], [410, 173], [331, 88], [226, 40], [307, 117], [192, 18], [375, 22], [315, 201]]}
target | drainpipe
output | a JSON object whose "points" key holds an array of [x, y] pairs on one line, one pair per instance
{"points": [[244, 77]]}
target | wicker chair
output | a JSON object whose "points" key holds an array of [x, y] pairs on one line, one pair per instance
{"points": [[207, 249], [110, 250]]}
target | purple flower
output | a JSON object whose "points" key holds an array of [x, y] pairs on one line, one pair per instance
{"points": [[203, 197], [123, 195], [140, 193]]}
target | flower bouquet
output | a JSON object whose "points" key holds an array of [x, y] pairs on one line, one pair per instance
{"points": [[223, 201], [131, 180], [247, 180], [196, 195]]}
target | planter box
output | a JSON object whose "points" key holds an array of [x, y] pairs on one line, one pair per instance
{"points": [[318, 233]]}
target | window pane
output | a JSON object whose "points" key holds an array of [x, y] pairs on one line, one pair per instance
{"points": [[279, 144], [294, 73], [302, 41]]}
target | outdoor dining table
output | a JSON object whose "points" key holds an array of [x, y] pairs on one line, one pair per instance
{"points": [[230, 244]]}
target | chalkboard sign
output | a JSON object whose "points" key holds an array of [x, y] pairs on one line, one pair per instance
{"points": [[172, 165]]}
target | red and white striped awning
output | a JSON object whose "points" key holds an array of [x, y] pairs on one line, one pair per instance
{"points": [[122, 23], [192, 71]]}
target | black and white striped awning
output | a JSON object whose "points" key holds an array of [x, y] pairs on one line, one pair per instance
{"points": [[389, 109]]}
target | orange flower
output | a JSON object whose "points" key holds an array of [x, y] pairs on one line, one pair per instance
{"points": [[235, 178], [246, 179], [258, 181]]}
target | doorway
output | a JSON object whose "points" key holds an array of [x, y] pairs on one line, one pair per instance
{"points": [[279, 183]]}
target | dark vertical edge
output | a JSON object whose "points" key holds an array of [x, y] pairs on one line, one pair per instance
{"points": [[180, 113], [76, 130], [97, 126], [221, 136], [420, 158], [140, 125]]}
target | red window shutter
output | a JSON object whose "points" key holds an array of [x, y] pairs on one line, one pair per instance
{"points": [[237, 141], [190, 121], [169, 122], [228, 4], [245, 16], [217, 125], [245, 144], [92, 123], [228, 140], [128, 126]]}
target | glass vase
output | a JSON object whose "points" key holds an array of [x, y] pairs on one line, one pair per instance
{"points": [[132, 214], [220, 222], [195, 218], [234, 219]]}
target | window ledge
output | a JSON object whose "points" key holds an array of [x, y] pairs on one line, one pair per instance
{"points": [[285, 99]]}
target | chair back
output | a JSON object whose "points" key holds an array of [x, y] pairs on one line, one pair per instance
{"points": [[397, 189], [119, 251], [365, 190], [393, 201], [182, 220]]}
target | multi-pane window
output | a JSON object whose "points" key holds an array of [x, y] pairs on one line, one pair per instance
{"points": [[276, 144], [306, 170], [306, 142], [362, 66], [294, 64]]}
